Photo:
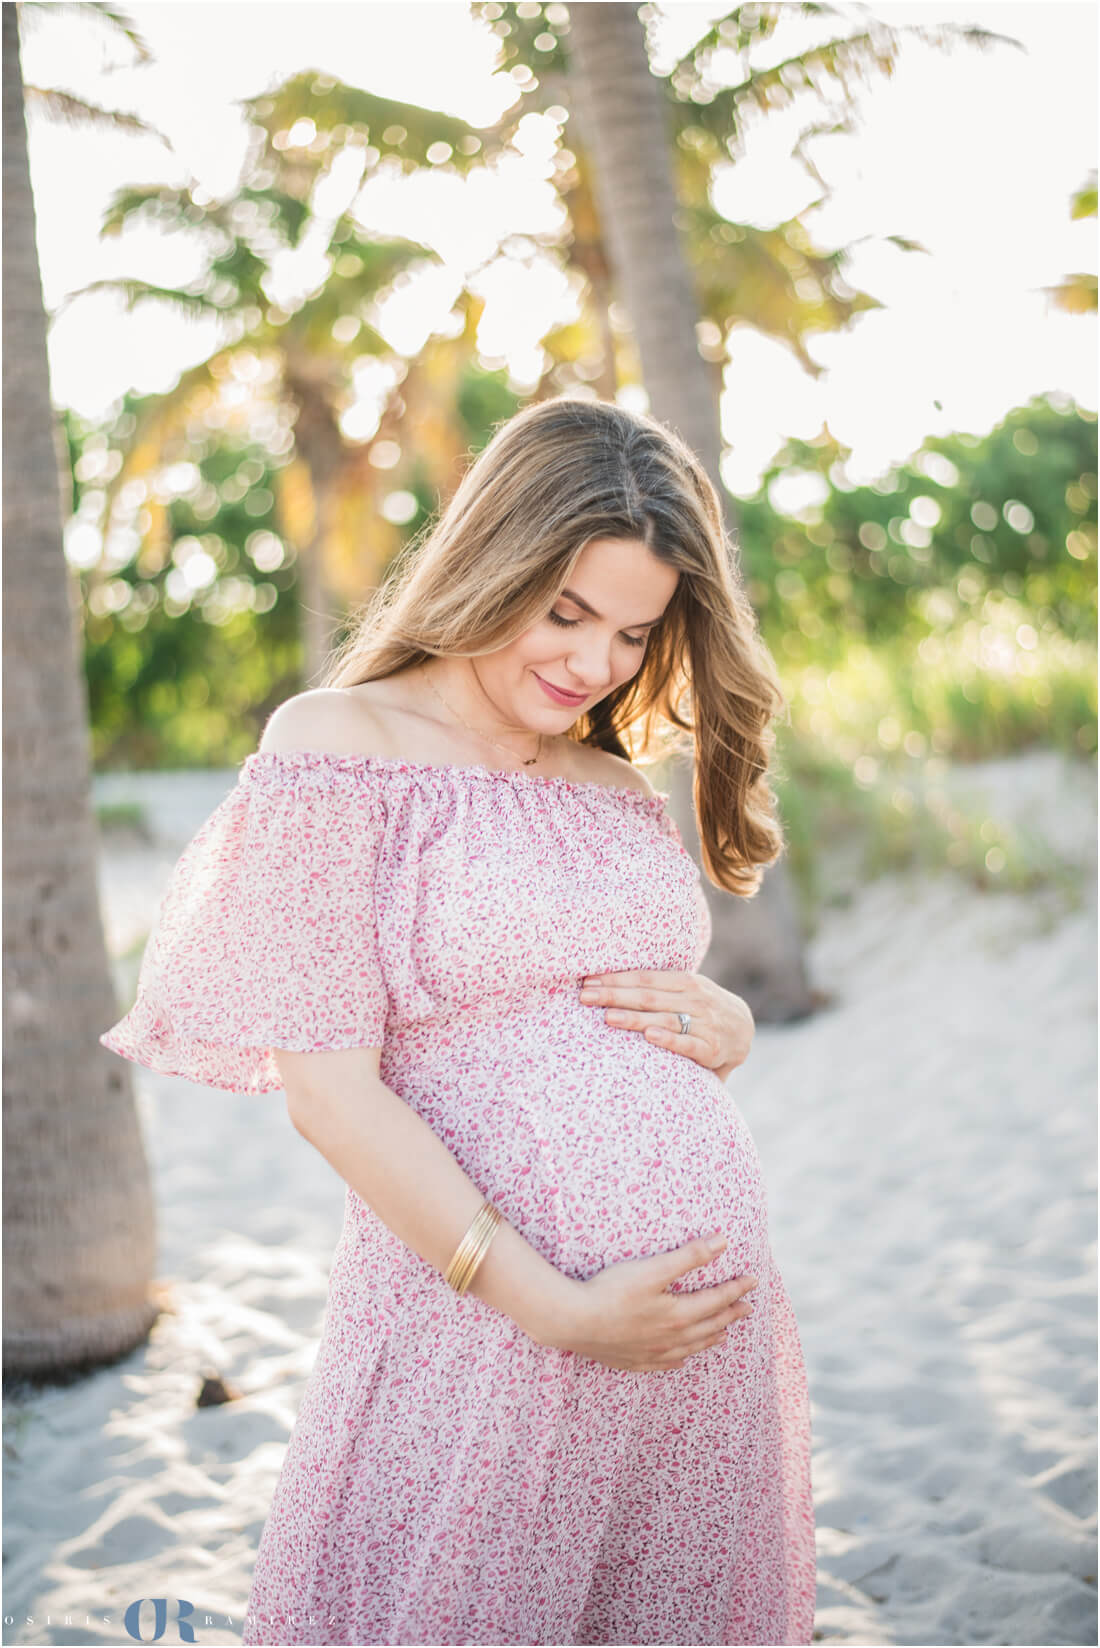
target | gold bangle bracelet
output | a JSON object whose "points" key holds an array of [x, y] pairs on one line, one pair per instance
{"points": [[472, 1248]]}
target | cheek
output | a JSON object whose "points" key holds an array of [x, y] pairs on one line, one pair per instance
{"points": [[511, 661], [538, 647], [628, 666], [545, 644]]}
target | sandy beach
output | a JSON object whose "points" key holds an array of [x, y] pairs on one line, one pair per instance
{"points": [[928, 1140]]}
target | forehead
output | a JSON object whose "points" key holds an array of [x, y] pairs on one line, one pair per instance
{"points": [[623, 570]]}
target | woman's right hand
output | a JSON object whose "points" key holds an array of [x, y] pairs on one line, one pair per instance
{"points": [[624, 1316]]}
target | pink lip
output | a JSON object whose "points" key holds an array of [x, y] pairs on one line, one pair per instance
{"points": [[558, 695]]}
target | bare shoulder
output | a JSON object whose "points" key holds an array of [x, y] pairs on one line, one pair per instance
{"points": [[605, 768], [328, 720]]}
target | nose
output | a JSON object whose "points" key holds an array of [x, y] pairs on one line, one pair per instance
{"points": [[589, 665]]}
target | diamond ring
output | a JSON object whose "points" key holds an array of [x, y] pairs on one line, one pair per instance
{"points": [[685, 1023]]}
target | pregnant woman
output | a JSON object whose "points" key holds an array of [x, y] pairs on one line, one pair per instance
{"points": [[444, 912]]}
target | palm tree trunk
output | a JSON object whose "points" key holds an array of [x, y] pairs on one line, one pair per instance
{"points": [[314, 596], [757, 945], [319, 443], [79, 1233], [622, 113]]}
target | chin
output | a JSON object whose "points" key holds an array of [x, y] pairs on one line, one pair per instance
{"points": [[550, 718]]}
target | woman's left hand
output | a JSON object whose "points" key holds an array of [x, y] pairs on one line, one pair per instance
{"points": [[721, 1029]]}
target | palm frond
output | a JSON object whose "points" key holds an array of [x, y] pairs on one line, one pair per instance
{"points": [[192, 305], [70, 110], [118, 21], [969, 34], [717, 113], [824, 128], [123, 24], [407, 132], [163, 202], [904, 244], [1075, 295], [1083, 201]]}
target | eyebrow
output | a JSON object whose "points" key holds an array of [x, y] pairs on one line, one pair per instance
{"points": [[570, 595]]}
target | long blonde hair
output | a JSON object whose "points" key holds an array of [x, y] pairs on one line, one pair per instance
{"points": [[557, 475]]}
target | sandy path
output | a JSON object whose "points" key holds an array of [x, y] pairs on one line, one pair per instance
{"points": [[929, 1147]]}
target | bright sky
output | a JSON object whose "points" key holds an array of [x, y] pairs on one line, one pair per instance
{"points": [[973, 153]]}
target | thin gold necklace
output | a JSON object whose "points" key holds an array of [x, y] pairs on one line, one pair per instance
{"points": [[527, 761]]}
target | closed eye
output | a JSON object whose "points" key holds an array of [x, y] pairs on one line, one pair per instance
{"points": [[570, 623]]}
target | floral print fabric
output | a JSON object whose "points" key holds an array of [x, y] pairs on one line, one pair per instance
{"points": [[447, 1479]]}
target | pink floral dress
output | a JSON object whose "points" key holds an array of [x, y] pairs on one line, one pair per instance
{"points": [[447, 1479]]}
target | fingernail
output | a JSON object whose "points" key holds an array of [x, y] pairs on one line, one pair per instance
{"points": [[716, 1242]]}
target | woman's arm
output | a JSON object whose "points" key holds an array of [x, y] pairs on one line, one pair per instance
{"points": [[393, 1160]]}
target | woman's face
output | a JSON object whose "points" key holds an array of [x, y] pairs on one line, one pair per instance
{"points": [[590, 642]]}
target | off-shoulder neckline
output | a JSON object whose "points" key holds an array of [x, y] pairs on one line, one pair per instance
{"points": [[393, 763]]}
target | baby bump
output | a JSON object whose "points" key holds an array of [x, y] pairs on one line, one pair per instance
{"points": [[597, 1145]]}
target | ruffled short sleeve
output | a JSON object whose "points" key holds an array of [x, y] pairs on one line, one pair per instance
{"points": [[266, 936]]}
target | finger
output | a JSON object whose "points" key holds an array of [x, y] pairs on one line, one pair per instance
{"points": [[655, 998], [719, 1320], [719, 1310], [666, 1359], [683, 1353], [705, 1304], [713, 1330], [647, 978], [692, 1046], [711, 1337], [668, 1267], [708, 1340], [623, 1018]]}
